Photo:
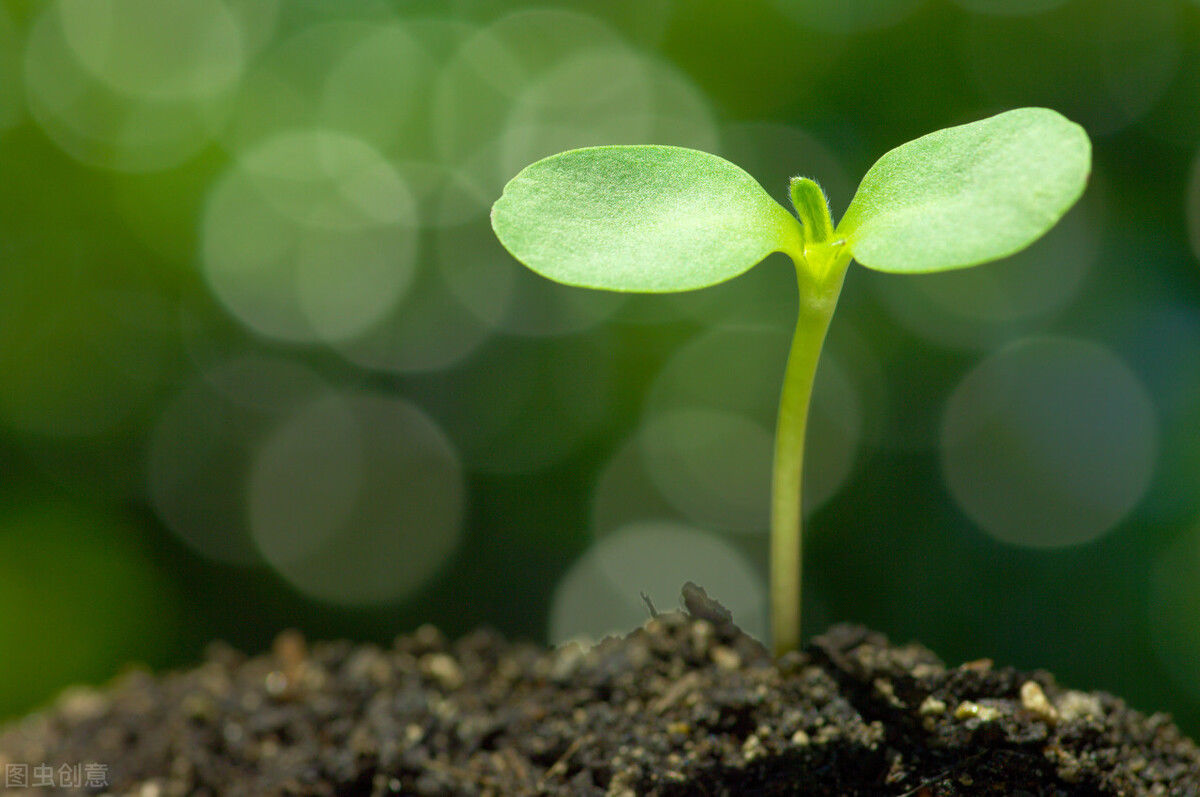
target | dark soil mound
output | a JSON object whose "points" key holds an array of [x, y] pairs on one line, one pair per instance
{"points": [[684, 705]]}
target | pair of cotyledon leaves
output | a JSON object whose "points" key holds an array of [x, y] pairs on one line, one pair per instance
{"points": [[663, 219]]}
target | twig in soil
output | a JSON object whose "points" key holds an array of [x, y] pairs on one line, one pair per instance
{"points": [[931, 781], [559, 767], [688, 682], [649, 605]]}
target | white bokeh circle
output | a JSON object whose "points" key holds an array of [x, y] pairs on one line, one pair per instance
{"points": [[357, 499], [201, 449], [311, 236], [1048, 443]]}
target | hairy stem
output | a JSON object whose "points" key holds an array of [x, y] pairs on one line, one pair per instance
{"points": [[820, 277]]}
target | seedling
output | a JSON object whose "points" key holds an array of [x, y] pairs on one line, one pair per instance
{"points": [[660, 219]]}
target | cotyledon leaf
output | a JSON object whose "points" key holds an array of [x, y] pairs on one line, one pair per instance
{"points": [[643, 218], [968, 194]]}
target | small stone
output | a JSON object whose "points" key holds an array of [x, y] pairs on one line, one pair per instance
{"points": [[276, 683], [885, 688], [567, 660], [726, 658], [198, 706], [1078, 705], [414, 733], [753, 748], [702, 633], [80, 704], [443, 669], [827, 734], [979, 665], [368, 664], [1069, 767], [971, 710], [800, 739], [679, 728], [1034, 700], [932, 707], [429, 637]]}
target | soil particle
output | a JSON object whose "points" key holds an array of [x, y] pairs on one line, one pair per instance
{"points": [[686, 705]]}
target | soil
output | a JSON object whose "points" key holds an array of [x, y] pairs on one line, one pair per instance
{"points": [[686, 705]]}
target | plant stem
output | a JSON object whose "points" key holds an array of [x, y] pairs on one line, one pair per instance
{"points": [[819, 276]]}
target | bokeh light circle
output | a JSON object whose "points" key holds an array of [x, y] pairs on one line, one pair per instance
{"points": [[503, 295], [12, 98], [624, 493], [201, 448], [356, 499], [282, 89], [600, 594], [103, 126], [738, 370], [1050, 442], [477, 87], [524, 404], [525, 87], [373, 80], [195, 51], [429, 330], [374, 89], [713, 466], [641, 100], [310, 236]]}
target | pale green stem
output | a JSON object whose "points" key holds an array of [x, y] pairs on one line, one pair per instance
{"points": [[819, 276]]}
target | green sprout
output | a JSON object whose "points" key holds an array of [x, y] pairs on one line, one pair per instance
{"points": [[660, 219]]}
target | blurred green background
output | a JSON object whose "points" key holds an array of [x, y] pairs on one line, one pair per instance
{"points": [[263, 365]]}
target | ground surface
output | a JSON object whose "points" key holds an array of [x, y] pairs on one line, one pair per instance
{"points": [[685, 705]]}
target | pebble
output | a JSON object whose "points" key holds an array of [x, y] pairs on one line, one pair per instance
{"points": [[443, 669], [726, 658], [971, 710], [1034, 700], [1078, 705], [276, 683], [753, 747], [932, 707], [80, 704]]}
